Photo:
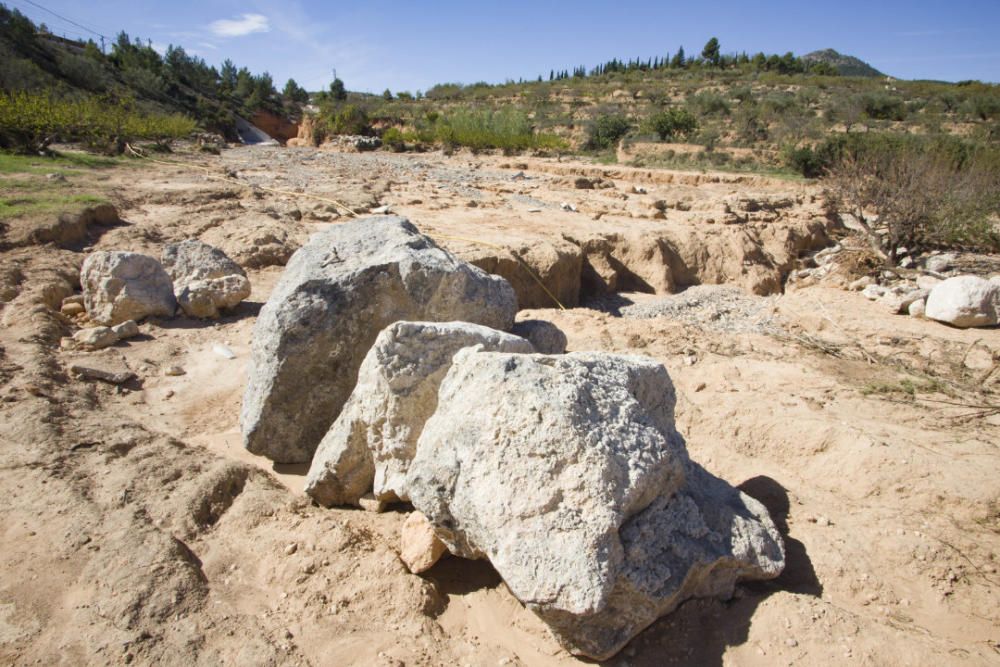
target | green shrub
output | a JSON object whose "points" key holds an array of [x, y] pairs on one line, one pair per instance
{"points": [[673, 122], [883, 107], [508, 129], [606, 130], [346, 119], [806, 161], [982, 107], [708, 103], [394, 139]]}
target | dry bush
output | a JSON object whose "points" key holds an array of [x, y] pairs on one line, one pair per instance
{"points": [[918, 199]]}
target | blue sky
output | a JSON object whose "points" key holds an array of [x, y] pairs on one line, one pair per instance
{"points": [[408, 45]]}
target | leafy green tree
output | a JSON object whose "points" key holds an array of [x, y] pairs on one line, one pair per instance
{"points": [[387, 95], [606, 131], [672, 122], [710, 53]]}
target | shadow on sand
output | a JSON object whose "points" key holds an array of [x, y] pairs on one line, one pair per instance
{"points": [[700, 631]]}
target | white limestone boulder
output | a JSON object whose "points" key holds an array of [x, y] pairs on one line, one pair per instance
{"points": [[337, 293], [964, 301], [567, 473], [205, 279], [120, 286], [370, 445]]}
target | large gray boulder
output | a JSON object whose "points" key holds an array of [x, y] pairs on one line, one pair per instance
{"points": [[205, 278], [120, 286], [370, 445], [567, 473], [337, 293], [964, 301]]}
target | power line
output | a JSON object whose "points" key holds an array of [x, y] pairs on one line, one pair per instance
{"points": [[78, 25]]}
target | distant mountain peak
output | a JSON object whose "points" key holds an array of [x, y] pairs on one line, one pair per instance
{"points": [[846, 65]]}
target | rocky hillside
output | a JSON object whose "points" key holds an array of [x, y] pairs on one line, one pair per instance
{"points": [[845, 65]]}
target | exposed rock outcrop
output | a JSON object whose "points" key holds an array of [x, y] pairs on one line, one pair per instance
{"points": [[338, 292], [257, 241]]}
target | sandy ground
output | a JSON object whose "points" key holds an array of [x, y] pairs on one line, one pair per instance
{"points": [[136, 528]]}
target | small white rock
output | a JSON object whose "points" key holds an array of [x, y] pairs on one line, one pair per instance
{"points": [[223, 351], [126, 329], [861, 283], [873, 292]]}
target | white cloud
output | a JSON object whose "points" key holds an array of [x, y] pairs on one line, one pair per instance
{"points": [[247, 24]]}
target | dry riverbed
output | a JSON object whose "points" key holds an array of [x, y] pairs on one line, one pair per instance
{"points": [[137, 529]]}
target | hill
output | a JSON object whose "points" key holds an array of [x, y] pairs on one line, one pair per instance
{"points": [[845, 65], [32, 59]]}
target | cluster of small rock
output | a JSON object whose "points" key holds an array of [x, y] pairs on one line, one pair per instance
{"points": [[714, 307], [961, 301], [387, 364], [122, 288]]}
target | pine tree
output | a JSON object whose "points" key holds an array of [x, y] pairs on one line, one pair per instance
{"points": [[337, 90], [711, 52], [678, 60]]}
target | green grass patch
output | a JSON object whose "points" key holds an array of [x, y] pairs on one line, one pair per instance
{"points": [[12, 163], [22, 205]]}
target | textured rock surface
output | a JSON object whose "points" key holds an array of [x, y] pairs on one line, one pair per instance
{"points": [[95, 338], [205, 278], [419, 546], [546, 337], [964, 301], [120, 286], [372, 442], [257, 241], [337, 293], [572, 480]]}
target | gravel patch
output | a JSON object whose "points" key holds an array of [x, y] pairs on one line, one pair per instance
{"points": [[713, 307]]}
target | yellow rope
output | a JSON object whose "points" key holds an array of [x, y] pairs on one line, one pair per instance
{"points": [[216, 177], [337, 203], [514, 255]]}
